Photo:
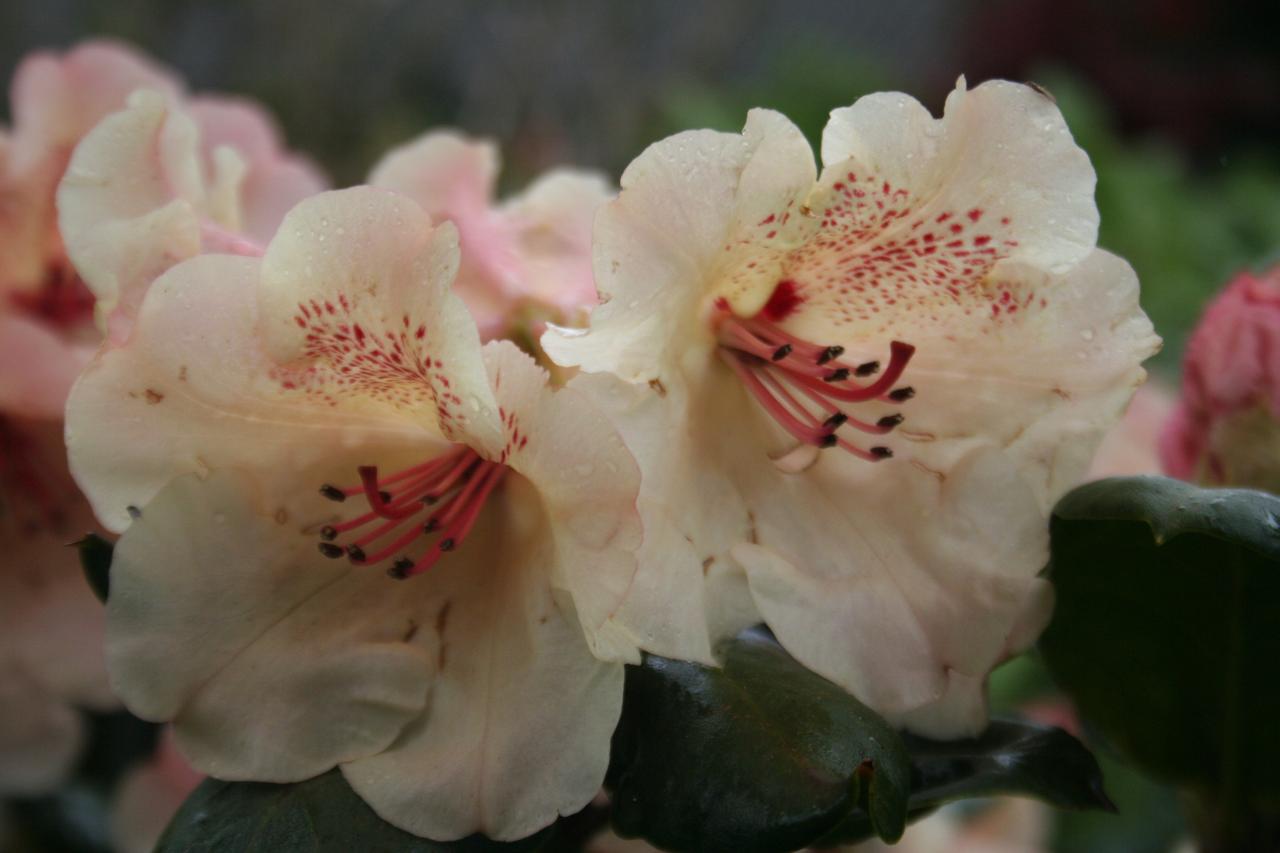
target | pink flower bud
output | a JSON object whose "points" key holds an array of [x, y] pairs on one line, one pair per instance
{"points": [[1226, 429]]}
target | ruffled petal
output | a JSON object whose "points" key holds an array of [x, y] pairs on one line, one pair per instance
{"points": [[193, 391], [57, 99], [356, 303], [653, 247], [274, 663], [275, 179], [128, 203], [521, 712], [1044, 383], [550, 227], [588, 482], [871, 575]]}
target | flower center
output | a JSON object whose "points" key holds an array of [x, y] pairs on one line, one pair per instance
{"points": [[62, 301], [807, 388], [456, 484]]}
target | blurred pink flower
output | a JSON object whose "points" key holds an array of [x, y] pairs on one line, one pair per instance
{"points": [[1130, 447], [1224, 431], [48, 615], [526, 260]]}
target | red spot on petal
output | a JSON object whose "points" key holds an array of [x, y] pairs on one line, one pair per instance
{"points": [[785, 300]]}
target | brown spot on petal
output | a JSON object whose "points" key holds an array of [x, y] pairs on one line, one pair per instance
{"points": [[706, 564], [281, 516], [442, 619], [1061, 392], [656, 385], [752, 536], [153, 396], [410, 632]]}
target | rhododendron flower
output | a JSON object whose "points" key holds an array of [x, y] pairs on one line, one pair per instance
{"points": [[1226, 428], [1132, 445], [524, 261], [861, 391], [289, 431]]}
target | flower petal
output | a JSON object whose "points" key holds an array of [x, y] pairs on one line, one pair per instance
{"points": [[37, 368], [550, 228], [275, 179], [588, 482], [1002, 149], [275, 663], [653, 246], [883, 601], [192, 390], [128, 202], [356, 300], [57, 99], [1044, 383], [521, 712]]}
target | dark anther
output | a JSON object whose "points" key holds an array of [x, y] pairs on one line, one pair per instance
{"points": [[446, 544], [838, 375], [828, 440], [835, 420], [830, 353], [867, 368], [330, 550], [430, 526], [889, 421], [400, 568], [881, 452], [328, 533], [333, 493], [134, 512], [782, 352], [386, 496], [900, 394], [356, 553]]}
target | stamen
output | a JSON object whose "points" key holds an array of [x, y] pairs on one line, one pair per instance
{"points": [[460, 480], [773, 365]]}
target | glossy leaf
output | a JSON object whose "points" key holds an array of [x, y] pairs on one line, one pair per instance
{"points": [[760, 755], [95, 561], [1011, 758], [1168, 598], [321, 814]]}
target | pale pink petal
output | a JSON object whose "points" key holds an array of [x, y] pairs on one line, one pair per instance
{"points": [[275, 179], [57, 99], [356, 300], [128, 204], [521, 712], [274, 662], [588, 480], [550, 224], [1131, 447], [193, 390], [37, 368]]}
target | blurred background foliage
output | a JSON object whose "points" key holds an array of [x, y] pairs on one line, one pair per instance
{"points": [[1176, 101]]}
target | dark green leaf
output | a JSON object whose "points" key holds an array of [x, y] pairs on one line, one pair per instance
{"points": [[95, 560], [1011, 757], [1165, 629], [761, 755], [321, 814]]}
